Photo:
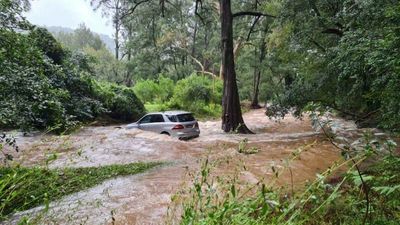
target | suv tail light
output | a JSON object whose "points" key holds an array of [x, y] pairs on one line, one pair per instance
{"points": [[178, 127]]}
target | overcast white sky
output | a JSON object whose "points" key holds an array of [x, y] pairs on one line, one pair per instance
{"points": [[68, 13]]}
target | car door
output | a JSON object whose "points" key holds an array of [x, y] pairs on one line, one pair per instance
{"points": [[145, 123], [157, 123]]}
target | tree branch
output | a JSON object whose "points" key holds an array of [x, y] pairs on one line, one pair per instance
{"points": [[162, 6], [333, 31], [196, 10], [252, 27], [248, 13], [318, 45], [198, 63], [132, 10]]}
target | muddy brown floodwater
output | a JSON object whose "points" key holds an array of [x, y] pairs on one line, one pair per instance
{"points": [[144, 198]]}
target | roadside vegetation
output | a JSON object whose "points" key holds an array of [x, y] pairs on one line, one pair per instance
{"points": [[23, 188]]}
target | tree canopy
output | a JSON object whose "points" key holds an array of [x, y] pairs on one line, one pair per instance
{"points": [[293, 56]]}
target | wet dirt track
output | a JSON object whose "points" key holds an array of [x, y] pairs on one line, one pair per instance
{"points": [[144, 198]]}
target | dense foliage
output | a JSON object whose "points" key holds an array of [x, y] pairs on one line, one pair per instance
{"points": [[80, 38], [46, 86], [11, 13], [342, 55], [120, 101], [309, 55]]}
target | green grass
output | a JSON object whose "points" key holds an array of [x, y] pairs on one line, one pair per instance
{"points": [[23, 188]]}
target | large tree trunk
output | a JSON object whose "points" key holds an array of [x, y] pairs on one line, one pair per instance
{"points": [[258, 70], [254, 100], [117, 26], [128, 79], [232, 119], [236, 49], [194, 39]]}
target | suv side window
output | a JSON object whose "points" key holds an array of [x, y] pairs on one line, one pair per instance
{"points": [[146, 119], [172, 118], [157, 118]]}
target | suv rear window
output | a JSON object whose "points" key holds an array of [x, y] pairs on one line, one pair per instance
{"points": [[185, 117]]}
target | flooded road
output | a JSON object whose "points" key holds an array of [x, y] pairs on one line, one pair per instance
{"points": [[144, 198]]}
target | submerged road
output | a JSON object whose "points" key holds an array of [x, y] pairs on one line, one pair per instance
{"points": [[144, 198]]}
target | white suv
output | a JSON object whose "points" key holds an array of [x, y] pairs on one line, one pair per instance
{"points": [[179, 124]]}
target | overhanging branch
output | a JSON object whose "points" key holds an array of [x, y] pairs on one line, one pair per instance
{"points": [[132, 9], [249, 13]]}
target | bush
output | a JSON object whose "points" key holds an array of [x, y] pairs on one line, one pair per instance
{"points": [[121, 102], [193, 89], [151, 91], [165, 89], [146, 90], [199, 95]]}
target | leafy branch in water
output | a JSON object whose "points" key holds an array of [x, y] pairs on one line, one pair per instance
{"points": [[7, 141], [245, 150]]}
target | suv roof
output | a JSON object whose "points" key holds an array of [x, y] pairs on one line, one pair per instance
{"points": [[176, 112]]}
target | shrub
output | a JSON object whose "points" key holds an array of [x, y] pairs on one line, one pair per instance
{"points": [[198, 94], [155, 91], [120, 102], [146, 90], [192, 89], [165, 89]]}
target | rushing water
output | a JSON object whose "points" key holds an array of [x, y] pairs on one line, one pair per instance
{"points": [[144, 198]]}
